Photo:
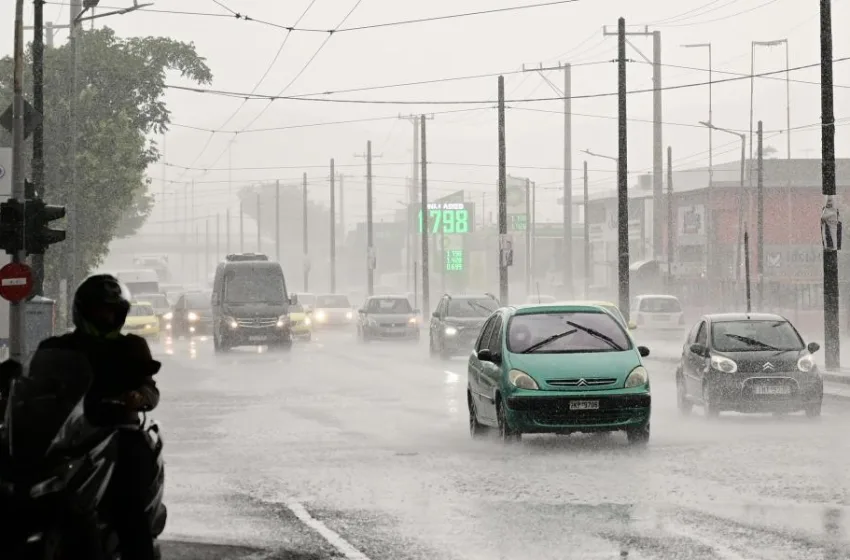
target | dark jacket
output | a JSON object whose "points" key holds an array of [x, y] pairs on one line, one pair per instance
{"points": [[119, 366]]}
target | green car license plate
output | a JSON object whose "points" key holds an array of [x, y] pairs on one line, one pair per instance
{"points": [[584, 405]]}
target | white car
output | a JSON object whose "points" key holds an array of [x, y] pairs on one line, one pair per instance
{"points": [[657, 312]]}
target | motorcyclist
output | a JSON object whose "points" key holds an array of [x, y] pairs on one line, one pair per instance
{"points": [[122, 385]]}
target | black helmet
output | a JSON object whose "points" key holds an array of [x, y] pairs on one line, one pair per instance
{"points": [[101, 305]]}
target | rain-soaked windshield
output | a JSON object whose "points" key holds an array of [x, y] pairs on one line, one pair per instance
{"points": [[471, 307], [247, 287], [332, 302], [753, 336], [389, 306], [565, 332]]}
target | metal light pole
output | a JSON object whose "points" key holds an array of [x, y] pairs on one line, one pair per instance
{"points": [[770, 44]]}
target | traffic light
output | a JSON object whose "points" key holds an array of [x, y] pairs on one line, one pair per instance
{"points": [[39, 236], [11, 226]]}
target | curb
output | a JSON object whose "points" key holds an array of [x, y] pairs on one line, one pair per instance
{"points": [[836, 378]]}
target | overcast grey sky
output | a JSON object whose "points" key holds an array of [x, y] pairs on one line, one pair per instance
{"points": [[240, 53]]}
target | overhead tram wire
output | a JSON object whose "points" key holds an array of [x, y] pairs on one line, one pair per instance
{"points": [[253, 90], [683, 14], [723, 18], [484, 102]]}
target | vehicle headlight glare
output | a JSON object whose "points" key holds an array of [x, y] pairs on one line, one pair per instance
{"points": [[806, 363], [450, 331], [637, 378], [307, 321], [413, 320], [522, 380], [168, 316], [721, 363], [192, 316], [282, 321], [320, 316], [349, 315], [231, 322], [148, 326]]}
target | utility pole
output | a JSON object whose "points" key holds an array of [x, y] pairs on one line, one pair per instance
{"points": [[657, 139], [760, 217], [241, 225], [38, 131], [528, 289], [277, 220], [333, 231], [503, 200], [304, 234], [342, 229], [623, 176], [671, 225], [747, 269], [587, 266], [832, 342], [227, 232], [413, 197], [206, 270], [76, 9], [217, 237], [426, 284], [259, 220], [16, 311], [371, 259]]}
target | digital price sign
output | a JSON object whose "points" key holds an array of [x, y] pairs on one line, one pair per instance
{"points": [[449, 218]]}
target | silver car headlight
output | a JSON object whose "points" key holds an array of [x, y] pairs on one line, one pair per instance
{"points": [[724, 364], [308, 321], [321, 316], [413, 321], [522, 380], [806, 363], [349, 314], [637, 378], [450, 331], [282, 321]]}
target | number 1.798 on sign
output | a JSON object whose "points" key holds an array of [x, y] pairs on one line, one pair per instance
{"points": [[449, 218]]}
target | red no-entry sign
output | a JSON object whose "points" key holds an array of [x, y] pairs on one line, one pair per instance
{"points": [[15, 282]]}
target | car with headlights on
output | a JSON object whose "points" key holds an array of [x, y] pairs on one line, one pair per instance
{"points": [[387, 317], [557, 368], [161, 307], [192, 314], [456, 323], [300, 320], [333, 310], [142, 321], [748, 362], [657, 312]]}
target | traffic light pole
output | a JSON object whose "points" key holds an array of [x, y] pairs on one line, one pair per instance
{"points": [[16, 315]]}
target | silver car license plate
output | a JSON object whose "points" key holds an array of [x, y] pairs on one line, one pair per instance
{"points": [[584, 405], [772, 390], [257, 338]]}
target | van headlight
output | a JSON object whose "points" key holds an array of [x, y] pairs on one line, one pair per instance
{"points": [[806, 363], [724, 364], [522, 380], [231, 322], [637, 378], [282, 321]]}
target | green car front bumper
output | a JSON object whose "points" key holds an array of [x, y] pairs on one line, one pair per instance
{"points": [[597, 411]]}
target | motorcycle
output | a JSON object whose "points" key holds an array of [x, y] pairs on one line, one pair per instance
{"points": [[55, 466]]}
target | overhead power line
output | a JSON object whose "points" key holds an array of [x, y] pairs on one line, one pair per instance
{"points": [[481, 101]]}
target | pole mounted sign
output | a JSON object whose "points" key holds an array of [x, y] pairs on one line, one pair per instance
{"points": [[15, 282]]}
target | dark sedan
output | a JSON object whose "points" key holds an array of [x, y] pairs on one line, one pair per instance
{"points": [[748, 362], [192, 314]]}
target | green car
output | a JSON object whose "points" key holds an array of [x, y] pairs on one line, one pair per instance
{"points": [[557, 368]]}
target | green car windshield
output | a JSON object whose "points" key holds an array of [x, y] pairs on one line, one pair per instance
{"points": [[566, 332]]}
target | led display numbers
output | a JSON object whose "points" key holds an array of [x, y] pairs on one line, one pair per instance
{"points": [[449, 218]]}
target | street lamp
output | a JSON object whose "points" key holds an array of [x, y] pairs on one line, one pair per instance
{"points": [[710, 115], [743, 138], [588, 152], [787, 88]]}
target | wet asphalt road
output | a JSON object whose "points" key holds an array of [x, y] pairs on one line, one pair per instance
{"points": [[338, 450]]}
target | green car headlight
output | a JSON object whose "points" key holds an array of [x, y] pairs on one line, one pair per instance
{"points": [[637, 378], [522, 380]]}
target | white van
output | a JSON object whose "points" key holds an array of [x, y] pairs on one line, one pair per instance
{"points": [[657, 312], [139, 281]]}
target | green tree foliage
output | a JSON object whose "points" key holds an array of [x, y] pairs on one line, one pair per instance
{"points": [[120, 106]]}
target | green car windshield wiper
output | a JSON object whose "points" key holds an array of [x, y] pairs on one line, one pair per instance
{"points": [[751, 341], [598, 335], [548, 340]]}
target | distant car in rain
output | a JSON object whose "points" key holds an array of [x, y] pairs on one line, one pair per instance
{"points": [[300, 320], [192, 314], [387, 317], [456, 323], [748, 362], [161, 307], [332, 310], [142, 321], [557, 368], [662, 312]]}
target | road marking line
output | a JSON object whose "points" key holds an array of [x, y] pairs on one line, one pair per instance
{"points": [[721, 551], [327, 533]]}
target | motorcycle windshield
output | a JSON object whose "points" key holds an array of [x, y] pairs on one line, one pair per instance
{"points": [[41, 401]]}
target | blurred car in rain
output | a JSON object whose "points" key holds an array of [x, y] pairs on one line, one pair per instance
{"points": [[333, 310], [748, 362], [192, 314], [456, 323], [306, 300], [161, 307], [557, 368], [657, 312], [538, 298], [142, 321], [387, 317], [300, 320]]}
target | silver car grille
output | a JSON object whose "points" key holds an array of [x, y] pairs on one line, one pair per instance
{"points": [[257, 322], [392, 325], [582, 382]]}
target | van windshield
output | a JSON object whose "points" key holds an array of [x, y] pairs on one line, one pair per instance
{"points": [[142, 287], [254, 286]]}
